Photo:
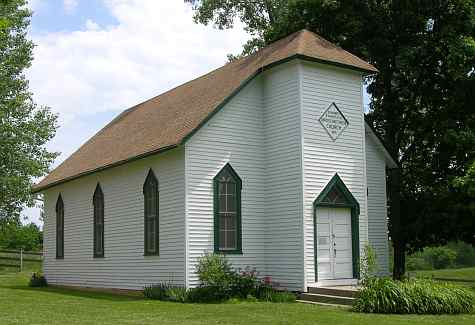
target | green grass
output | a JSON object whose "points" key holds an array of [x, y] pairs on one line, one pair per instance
{"points": [[467, 273], [20, 304]]}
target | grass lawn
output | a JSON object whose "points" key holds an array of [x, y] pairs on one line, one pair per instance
{"points": [[20, 304], [467, 273]]}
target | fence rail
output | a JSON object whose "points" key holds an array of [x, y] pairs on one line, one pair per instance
{"points": [[19, 257], [9, 251]]}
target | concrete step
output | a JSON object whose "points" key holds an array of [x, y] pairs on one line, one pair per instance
{"points": [[333, 291], [327, 299]]}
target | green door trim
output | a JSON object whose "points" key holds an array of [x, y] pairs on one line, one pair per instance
{"points": [[350, 202]]}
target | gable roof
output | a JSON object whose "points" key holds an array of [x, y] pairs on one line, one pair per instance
{"points": [[167, 120]]}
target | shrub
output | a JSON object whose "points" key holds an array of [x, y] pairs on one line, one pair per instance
{"points": [[214, 270], [465, 253], [156, 291], [282, 296], [413, 297], [440, 257], [177, 294], [37, 280], [368, 267], [414, 263], [244, 283], [165, 291], [206, 294]]}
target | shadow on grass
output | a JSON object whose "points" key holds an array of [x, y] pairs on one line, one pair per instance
{"points": [[76, 293]]}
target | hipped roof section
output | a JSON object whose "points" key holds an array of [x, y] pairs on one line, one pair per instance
{"points": [[167, 120]]}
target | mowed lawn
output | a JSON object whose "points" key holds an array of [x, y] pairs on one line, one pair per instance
{"points": [[467, 273], [20, 304], [466, 276]]}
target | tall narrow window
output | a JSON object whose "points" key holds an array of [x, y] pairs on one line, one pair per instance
{"points": [[59, 227], [98, 203], [150, 192], [227, 211]]}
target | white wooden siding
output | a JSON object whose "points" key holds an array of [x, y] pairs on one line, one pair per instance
{"points": [[234, 135], [124, 264], [377, 202], [284, 258], [320, 86], [257, 132]]}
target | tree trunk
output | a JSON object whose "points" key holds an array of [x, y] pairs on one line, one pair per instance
{"points": [[397, 234]]}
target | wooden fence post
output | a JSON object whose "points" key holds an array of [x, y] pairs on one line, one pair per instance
{"points": [[21, 259]]}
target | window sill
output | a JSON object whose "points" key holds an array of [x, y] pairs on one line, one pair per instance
{"points": [[230, 252], [98, 256], [150, 254]]}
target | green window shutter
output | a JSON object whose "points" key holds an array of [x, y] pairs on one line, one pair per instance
{"points": [[227, 186], [151, 217], [59, 228], [98, 231]]}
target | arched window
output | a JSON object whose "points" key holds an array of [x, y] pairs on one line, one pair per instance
{"points": [[227, 211], [150, 192], [59, 227], [98, 203]]}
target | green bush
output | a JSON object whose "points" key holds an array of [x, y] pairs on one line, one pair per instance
{"points": [[440, 257], [214, 270], [430, 258], [368, 266], [465, 254], [207, 294], [415, 263], [219, 283], [37, 280], [282, 296], [413, 297], [244, 283], [177, 294], [156, 291]]}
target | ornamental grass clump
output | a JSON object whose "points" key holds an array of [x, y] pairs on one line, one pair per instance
{"points": [[419, 296]]}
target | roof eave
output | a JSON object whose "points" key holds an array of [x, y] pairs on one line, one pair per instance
{"points": [[391, 162], [38, 189]]}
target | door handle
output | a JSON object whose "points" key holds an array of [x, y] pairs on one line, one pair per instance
{"points": [[334, 252]]}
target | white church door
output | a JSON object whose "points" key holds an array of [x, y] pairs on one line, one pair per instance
{"points": [[334, 250]]}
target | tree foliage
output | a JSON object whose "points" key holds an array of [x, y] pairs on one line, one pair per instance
{"points": [[422, 98], [14, 235], [25, 127]]}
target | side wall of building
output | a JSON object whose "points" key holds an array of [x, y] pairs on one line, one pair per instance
{"points": [[124, 265], [284, 255], [234, 135], [377, 204], [322, 85], [257, 132]]}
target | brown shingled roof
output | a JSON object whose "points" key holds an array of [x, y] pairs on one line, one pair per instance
{"points": [[167, 120]]}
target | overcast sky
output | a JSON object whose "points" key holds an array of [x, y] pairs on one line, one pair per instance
{"points": [[95, 58]]}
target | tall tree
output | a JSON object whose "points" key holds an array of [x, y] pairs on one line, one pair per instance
{"points": [[422, 99], [25, 127]]}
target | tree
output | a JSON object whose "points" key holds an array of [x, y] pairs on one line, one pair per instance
{"points": [[25, 127], [14, 235], [421, 103]]}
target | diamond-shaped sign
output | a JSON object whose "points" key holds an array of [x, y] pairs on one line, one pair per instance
{"points": [[333, 121]]}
